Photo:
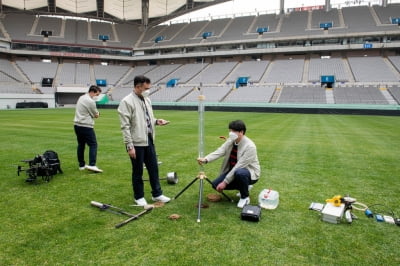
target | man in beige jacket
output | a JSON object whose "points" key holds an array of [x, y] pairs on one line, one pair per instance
{"points": [[138, 130], [240, 167]]}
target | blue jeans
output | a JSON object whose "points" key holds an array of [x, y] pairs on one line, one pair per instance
{"points": [[145, 155], [86, 135], [241, 181]]}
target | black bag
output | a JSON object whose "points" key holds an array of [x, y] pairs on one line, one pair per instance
{"points": [[251, 213], [51, 159]]}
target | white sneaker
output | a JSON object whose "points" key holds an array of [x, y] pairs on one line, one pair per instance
{"points": [[82, 168], [94, 169], [238, 194], [161, 198], [141, 202], [243, 202]]}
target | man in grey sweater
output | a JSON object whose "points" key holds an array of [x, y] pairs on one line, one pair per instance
{"points": [[85, 112], [240, 167]]}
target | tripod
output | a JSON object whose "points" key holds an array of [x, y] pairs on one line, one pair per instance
{"points": [[201, 176]]}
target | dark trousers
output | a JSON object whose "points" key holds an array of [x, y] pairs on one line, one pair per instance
{"points": [[86, 135], [145, 155], [241, 182]]}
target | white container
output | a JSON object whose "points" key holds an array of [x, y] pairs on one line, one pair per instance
{"points": [[268, 199]]}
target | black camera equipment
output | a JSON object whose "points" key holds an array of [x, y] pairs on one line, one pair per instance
{"points": [[113, 209], [46, 166]]}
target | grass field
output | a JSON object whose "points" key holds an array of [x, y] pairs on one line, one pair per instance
{"points": [[307, 158]]}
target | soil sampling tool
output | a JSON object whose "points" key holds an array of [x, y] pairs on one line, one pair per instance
{"points": [[113, 209]]}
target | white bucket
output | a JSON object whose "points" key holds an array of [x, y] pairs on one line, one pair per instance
{"points": [[268, 199]]}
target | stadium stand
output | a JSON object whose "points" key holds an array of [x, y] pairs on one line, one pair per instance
{"points": [[358, 95], [302, 94], [295, 23], [49, 24], [327, 66], [251, 94], [15, 88], [99, 29], [252, 69], [138, 70], [189, 33], [160, 72], [366, 69], [9, 71], [385, 13], [127, 34], [395, 92], [171, 94], [184, 73], [321, 16], [395, 60], [212, 94], [283, 65], [36, 71], [266, 20], [149, 36], [360, 19], [237, 28], [216, 27], [19, 26], [74, 74], [213, 73], [69, 32], [111, 73], [285, 70]]}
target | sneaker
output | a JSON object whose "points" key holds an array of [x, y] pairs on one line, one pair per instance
{"points": [[141, 202], [243, 202], [238, 194], [81, 168], [94, 168], [161, 198]]}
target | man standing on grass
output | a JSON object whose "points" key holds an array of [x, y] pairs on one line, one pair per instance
{"points": [[240, 168], [85, 113], [138, 130]]}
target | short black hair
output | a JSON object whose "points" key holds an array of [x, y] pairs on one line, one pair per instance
{"points": [[94, 89], [139, 80], [238, 125]]}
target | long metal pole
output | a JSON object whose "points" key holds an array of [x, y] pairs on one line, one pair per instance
{"points": [[201, 99]]}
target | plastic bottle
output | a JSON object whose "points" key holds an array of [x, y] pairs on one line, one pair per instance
{"points": [[268, 199]]}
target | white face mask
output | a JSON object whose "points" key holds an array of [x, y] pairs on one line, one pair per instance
{"points": [[146, 93], [95, 98], [233, 136]]}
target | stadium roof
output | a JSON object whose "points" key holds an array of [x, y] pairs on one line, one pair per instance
{"points": [[142, 11]]}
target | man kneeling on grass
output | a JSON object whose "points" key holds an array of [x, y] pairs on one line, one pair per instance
{"points": [[240, 168]]}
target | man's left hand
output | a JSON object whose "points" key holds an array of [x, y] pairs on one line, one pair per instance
{"points": [[162, 122], [221, 186]]}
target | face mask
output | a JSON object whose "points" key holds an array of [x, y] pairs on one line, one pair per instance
{"points": [[95, 98], [233, 136], [146, 93]]}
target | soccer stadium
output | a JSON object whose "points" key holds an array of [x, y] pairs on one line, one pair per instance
{"points": [[317, 83]]}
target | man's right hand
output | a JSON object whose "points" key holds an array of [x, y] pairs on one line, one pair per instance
{"points": [[201, 161], [132, 153]]}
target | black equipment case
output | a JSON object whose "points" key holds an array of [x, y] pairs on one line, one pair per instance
{"points": [[251, 213]]}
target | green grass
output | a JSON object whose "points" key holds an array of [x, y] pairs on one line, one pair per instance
{"points": [[307, 158]]}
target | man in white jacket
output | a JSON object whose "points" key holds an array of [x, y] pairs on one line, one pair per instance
{"points": [[240, 167], [138, 130]]}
